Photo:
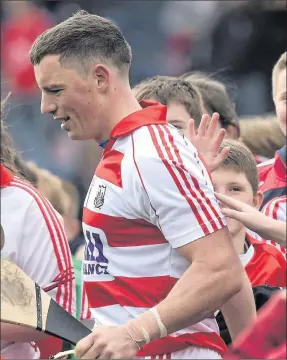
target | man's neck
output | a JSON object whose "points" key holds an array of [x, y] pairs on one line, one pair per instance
{"points": [[239, 241], [123, 103]]}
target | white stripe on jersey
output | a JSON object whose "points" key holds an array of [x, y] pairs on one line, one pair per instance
{"points": [[276, 208], [267, 162], [116, 314]]}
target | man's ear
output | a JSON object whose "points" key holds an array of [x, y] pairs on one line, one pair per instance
{"points": [[258, 199], [101, 76]]}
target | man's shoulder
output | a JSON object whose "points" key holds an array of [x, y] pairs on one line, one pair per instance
{"points": [[20, 195], [153, 140], [19, 192]]}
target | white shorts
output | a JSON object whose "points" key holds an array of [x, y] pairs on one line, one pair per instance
{"points": [[192, 352]]}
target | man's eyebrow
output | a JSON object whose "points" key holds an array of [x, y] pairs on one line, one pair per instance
{"points": [[53, 86], [178, 122]]}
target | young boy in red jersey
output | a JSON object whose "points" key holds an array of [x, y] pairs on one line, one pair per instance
{"points": [[237, 177], [264, 264]]}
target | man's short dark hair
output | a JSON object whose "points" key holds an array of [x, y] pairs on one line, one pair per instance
{"points": [[167, 89], [83, 38]]}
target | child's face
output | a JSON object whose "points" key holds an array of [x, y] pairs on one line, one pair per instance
{"points": [[236, 185], [280, 100], [178, 116]]}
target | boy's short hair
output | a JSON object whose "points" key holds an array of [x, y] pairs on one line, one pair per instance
{"points": [[166, 89], [214, 98], [24, 169], [262, 135], [279, 66], [73, 198], [241, 159], [50, 186]]}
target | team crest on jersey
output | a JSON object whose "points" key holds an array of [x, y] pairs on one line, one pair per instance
{"points": [[100, 197]]}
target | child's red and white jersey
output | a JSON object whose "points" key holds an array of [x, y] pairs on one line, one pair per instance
{"points": [[276, 208], [272, 182], [272, 172], [264, 263], [36, 242], [260, 159], [150, 195]]}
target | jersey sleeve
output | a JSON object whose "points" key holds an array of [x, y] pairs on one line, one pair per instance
{"points": [[181, 201], [47, 257], [276, 208]]}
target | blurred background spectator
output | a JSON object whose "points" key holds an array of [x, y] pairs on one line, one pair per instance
{"points": [[238, 41]]}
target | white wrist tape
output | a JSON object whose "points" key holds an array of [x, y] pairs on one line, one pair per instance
{"points": [[162, 328]]}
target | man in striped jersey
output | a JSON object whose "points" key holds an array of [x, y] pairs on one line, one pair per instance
{"points": [[272, 173], [151, 221]]}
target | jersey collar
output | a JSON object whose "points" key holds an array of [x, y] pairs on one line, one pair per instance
{"points": [[151, 114], [6, 176], [247, 257]]}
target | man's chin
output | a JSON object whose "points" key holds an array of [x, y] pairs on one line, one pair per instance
{"points": [[74, 136]]}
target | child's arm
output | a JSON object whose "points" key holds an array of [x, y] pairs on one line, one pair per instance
{"points": [[253, 219]]}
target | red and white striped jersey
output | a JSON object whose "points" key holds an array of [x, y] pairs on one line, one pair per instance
{"points": [[276, 208], [150, 195], [36, 242], [260, 159], [272, 182]]}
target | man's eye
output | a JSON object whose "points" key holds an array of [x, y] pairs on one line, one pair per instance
{"points": [[54, 91]]}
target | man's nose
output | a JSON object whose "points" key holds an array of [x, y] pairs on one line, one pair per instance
{"points": [[47, 106]]}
